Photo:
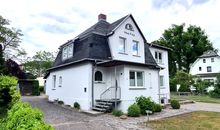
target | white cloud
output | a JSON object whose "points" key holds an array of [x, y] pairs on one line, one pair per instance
{"points": [[48, 24]]}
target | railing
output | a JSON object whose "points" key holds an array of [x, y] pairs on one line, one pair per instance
{"points": [[111, 93]]}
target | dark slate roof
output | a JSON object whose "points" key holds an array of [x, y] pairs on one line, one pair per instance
{"points": [[92, 44], [209, 53], [159, 46]]}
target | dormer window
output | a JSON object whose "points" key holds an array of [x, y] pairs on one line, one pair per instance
{"points": [[67, 51], [128, 26], [158, 57]]}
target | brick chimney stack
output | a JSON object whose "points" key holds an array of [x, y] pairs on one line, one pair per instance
{"points": [[102, 17]]}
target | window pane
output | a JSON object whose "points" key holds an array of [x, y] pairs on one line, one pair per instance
{"points": [[98, 76], [139, 78], [70, 50], [212, 59], [135, 48], [209, 69], [64, 52], [132, 78], [54, 81], [160, 57], [122, 45], [155, 55], [161, 80]]}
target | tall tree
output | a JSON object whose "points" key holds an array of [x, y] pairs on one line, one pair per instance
{"points": [[2, 61], [10, 39], [186, 44], [39, 63]]}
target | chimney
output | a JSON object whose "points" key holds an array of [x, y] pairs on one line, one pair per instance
{"points": [[102, 17]]}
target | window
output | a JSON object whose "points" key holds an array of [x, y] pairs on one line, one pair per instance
{"points": [[122, 45], [67, 51], [136, 79], [209, 69], [129, 27], [212, 60], [200, 68], [135, 48], [161, 80], [54, 81], [158, 57], [98, 76], [204, 61], [60, 81]]}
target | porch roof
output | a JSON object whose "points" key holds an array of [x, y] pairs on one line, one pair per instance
{"points": [[111, 63], [208, 74]]}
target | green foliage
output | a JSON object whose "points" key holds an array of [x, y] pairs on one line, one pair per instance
{"points": [[41, 88], [202, 85], [8, 94], [134, 110], [157, 108], [216, 92], [117, 113], [184, 79], [2, 62], [22, 117], [145, 104], [186, 44], [39, 63], [76, 105], [36, 90], [175, 104]]}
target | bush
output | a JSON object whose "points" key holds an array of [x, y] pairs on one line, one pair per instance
{"points": [[175, 104], [41, 88], [117, 112], [157, 108], [134, 110], [60, 102], [22, 117], [36, 90], [215, 93], [8, 93], [76, 105], [145, 104]]}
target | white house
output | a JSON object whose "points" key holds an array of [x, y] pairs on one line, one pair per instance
{"points": [[207, 66], [107, 66]]}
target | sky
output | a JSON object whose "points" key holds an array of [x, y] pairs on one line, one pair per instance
{"points": [[47, 24]]}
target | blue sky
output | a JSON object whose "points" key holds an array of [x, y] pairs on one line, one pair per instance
{"points": [[48, 24]]}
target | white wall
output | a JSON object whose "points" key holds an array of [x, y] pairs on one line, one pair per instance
{"points": [[74, 80], [194, 68], [128, 94], [133, 35], [165, 72]]}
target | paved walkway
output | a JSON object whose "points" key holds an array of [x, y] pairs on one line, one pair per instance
{"points": [[65, 119]]}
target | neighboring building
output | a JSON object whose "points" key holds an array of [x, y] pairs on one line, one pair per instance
{"points": [[206, 66], [108, 65]]}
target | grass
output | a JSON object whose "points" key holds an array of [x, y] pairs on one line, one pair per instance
{"points": [[199, 120], [198, 98]]}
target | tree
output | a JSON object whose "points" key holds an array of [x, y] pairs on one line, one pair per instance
{"points": [[2, 62], [186, 44], [10, 39], [39, 63]]}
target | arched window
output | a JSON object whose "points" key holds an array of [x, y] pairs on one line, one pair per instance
{"points": [[98, 76], [129, 27]]}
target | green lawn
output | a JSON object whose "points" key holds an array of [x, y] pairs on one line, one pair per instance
{"points": [[204, 98], [199, 120]]}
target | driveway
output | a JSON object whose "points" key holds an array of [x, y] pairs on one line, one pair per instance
{"points": [[65, 119]]}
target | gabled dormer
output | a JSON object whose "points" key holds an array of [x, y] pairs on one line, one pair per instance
{"points": [[127, 41]]}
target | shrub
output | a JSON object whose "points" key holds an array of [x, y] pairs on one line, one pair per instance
{"points": [[134, 110], [175, 104], [22, 117], [60, 102], [8, 92], [36, 90], [145, 104], [157, 108], [76, 105], [41, 88], [215, 93], [117, 112]]}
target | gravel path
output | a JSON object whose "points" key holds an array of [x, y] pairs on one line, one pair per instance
{"points": [[65, 119]]}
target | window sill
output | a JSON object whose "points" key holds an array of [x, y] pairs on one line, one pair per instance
{"points": [[53, 89], [162, 87], [136, 55], [122, 53], [99, 82], [133, 88]]}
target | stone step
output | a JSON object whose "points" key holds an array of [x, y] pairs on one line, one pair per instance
{"points": [[102, 106], [105, 103], [99, 109]]}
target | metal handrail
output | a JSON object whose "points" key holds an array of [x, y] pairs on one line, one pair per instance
{"points": [[112, 94]]}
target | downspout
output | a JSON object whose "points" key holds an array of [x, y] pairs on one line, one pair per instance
{"points": [[116, 85], [93, 69], [159, 86]]}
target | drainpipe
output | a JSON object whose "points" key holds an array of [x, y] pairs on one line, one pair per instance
{"points": [[116, 85], [159, 85], [93, 69]]}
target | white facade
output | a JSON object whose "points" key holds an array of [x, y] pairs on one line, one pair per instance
{"points": [[206, 68]]}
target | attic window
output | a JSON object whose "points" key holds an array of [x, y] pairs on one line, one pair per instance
{"points": [[128, 26], [67, 51]]}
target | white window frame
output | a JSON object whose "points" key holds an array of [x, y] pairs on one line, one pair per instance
{"points": [[125, 45], [204, 61], [135, 79], [210, 68], [137, 43], [161, 81], [156, 56], [212, 59], [67, 51]]}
